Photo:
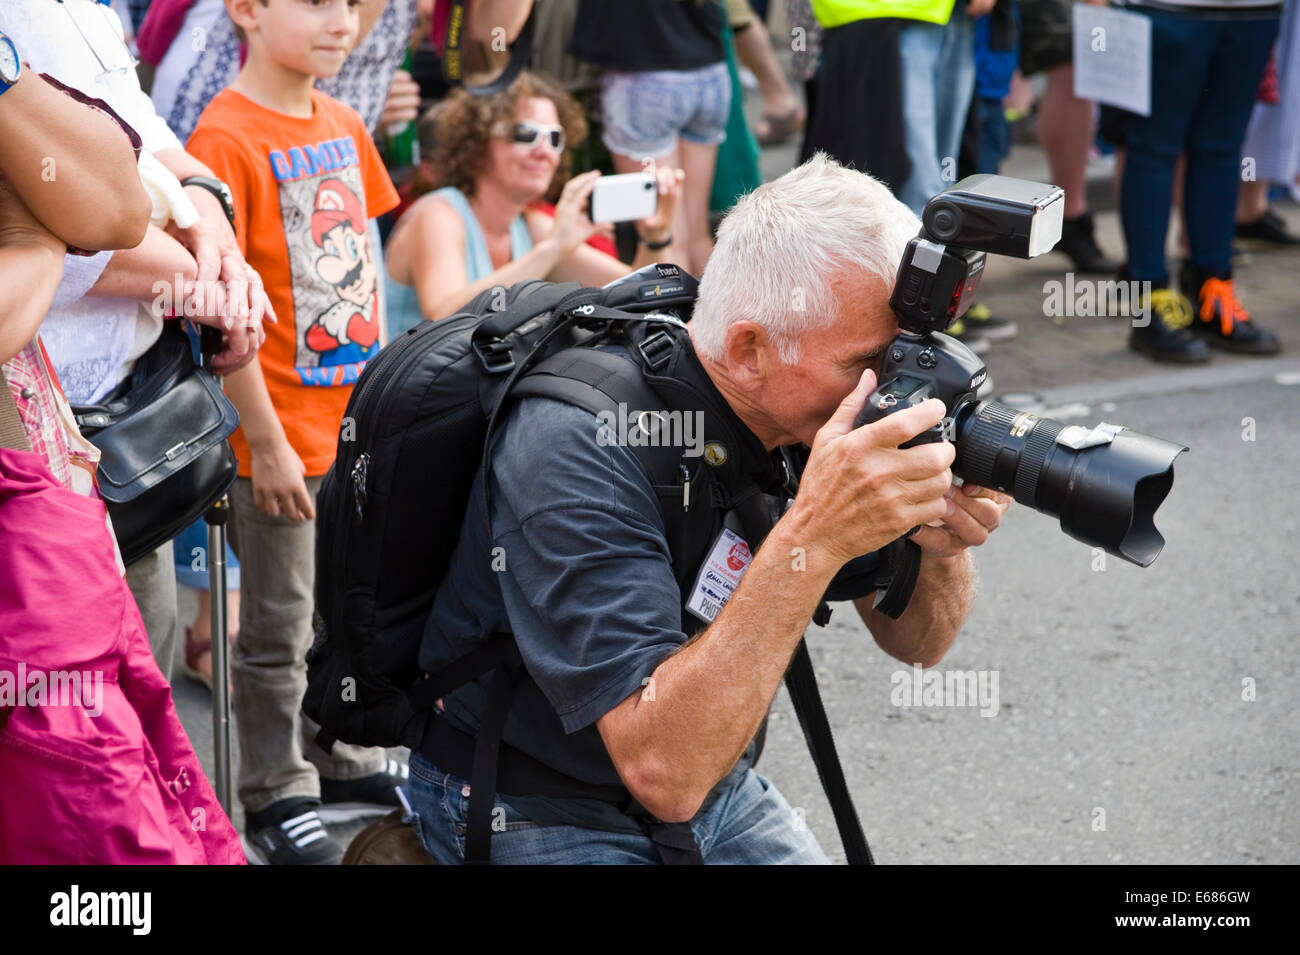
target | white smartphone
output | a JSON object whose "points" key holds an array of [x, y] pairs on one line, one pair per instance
{"points": [[624, 198]]}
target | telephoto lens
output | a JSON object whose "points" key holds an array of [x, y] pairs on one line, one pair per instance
{"points": [[1104, 484]]}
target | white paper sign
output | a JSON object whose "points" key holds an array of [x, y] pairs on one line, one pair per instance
{"points": [[1112, 57]]}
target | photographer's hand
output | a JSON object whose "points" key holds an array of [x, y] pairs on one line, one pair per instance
{"points": [[859, 490], [974, 513]]}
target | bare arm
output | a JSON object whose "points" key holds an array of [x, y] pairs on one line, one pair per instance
{"points": [[945, 586], [482, 17], [30, 269], [925, 632], [278, 485], [859, 491], [138, 273], [72, 166], [430, 252], [217, 255]]}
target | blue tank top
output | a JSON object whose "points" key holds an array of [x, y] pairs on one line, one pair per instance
{"points": [[478, 263]]}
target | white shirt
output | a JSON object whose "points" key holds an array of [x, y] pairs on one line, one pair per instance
{"points": [[92, 340]]}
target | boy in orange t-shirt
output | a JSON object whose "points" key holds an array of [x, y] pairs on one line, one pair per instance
{"points": [[305, 179]]}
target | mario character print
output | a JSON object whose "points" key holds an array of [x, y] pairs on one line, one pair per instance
{"points": [[337, 314]]}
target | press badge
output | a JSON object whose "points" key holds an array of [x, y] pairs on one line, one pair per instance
{"points": [[718, 578]]}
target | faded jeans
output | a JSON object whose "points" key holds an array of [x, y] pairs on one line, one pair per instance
{"points": [[277, 756], [938, 82], [750, 825]]}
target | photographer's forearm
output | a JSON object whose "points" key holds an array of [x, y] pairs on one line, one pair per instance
{"points": [[673, 745], [925, 632]]}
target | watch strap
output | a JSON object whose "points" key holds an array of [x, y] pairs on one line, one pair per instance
{"points": [[218, 189]]}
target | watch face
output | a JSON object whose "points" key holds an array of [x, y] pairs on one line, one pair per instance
{"points": [[8, 61]]}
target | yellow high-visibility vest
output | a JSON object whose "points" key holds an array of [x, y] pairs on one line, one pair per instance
{"points": [[834, 13]]}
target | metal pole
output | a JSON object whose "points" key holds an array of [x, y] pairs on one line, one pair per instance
{"points": [[216, 518]]}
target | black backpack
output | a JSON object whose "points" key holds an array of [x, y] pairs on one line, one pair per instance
{"points": [[390, 509]]}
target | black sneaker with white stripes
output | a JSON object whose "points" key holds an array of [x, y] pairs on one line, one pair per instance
{"points": [[290, 832], [345, 799]]}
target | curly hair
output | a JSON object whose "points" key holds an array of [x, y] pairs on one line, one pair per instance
{"points": [[464, 124]]}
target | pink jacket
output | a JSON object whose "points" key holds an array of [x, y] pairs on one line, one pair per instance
{"points": [[95, 767]]}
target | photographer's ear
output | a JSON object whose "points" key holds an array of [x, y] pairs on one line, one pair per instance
{"points": [[749, 354]]}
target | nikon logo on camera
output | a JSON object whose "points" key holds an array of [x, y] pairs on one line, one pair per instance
{"points": [[652, 429]]}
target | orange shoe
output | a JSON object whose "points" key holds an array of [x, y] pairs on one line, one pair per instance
{"points": [[1221, 320]]}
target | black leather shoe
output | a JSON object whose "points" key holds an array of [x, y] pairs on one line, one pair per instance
{"points": [[1165, 336], [1221, 320], [1268, 229], [1078, 242]]}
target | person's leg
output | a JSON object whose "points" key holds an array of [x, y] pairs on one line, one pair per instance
{"points": [[954, 87], [152, 580], [1181, 51], [754, 825], [1065, 130], [1213, 147], [699, 162], [701, 135], [1252, 200], [1180, 57], [919, 44], [995, 135], [641, 114], [440, 807], [679, 251], [1217, 129], [268, 672], [780, 106]]}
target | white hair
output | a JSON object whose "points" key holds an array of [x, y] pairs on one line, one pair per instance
{"points": [[783, 246]]}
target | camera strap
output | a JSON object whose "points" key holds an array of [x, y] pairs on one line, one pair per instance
{"points": [[901, 562]]}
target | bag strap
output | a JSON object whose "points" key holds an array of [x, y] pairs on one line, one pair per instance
{"points": [[12, 433]]}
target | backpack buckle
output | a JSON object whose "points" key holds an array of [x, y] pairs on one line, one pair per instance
{"points": [[656, 349], [495, 356]]}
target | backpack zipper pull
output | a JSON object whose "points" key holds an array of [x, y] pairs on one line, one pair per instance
{"points": [[686, 488], [359, 495]]}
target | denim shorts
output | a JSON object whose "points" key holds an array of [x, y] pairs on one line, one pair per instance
{"points": [[751, 824], [645, 113]]}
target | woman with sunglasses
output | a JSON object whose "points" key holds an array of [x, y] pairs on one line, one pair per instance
{"points": [[498, 156]]}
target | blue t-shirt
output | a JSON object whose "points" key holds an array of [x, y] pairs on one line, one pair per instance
{"points": [[579, 570]]}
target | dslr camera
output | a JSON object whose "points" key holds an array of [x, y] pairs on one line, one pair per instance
{"points": [[1103, 483]]}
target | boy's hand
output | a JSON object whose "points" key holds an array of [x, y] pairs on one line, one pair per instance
{"points": [[278, 486]]}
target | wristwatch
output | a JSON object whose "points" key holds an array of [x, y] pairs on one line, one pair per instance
{"points": [[218, 189], [10, 65]]}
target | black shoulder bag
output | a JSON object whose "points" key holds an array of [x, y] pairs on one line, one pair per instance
{"points": [[164, 457]]}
